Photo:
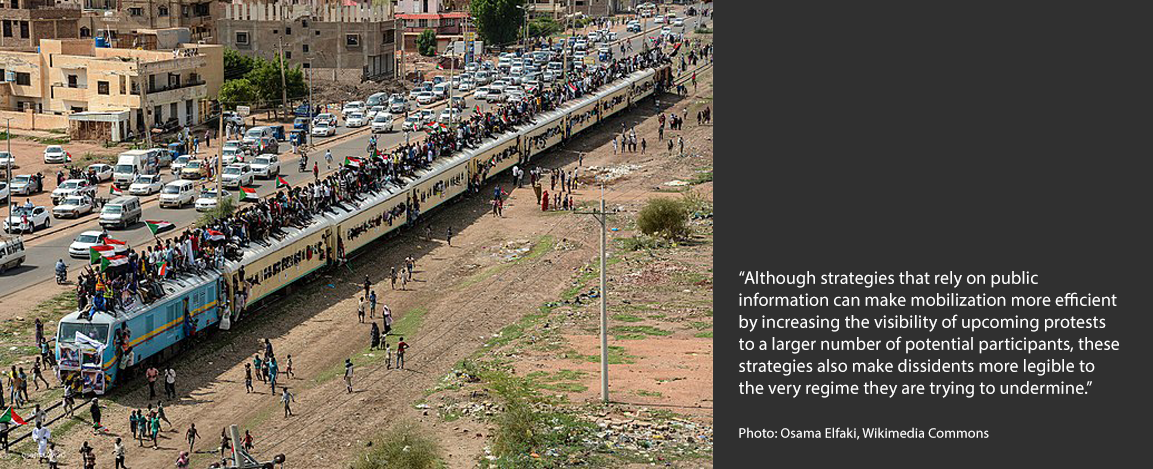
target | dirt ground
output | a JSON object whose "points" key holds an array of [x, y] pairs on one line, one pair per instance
{"points": [[461, 296]]}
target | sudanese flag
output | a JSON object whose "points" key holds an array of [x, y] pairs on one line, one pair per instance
{"points": [[9, 416]]}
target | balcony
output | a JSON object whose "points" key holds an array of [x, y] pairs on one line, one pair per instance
{"points": [[439, 30], [171, 94], [61, 91], [161, 89]]}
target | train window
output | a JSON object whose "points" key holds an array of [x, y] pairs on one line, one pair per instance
{"points": [[171, 318]]}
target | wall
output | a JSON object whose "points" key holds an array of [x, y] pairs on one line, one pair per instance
{"points": [[31, 121]]}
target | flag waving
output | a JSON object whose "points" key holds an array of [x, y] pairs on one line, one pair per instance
{"points": [[280, 182], [96, 253], [115, 190], [159, 226], [9, 417], [248, 193], [113, 261], [350, 161]]}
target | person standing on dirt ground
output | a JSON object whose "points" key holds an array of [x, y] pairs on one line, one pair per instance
{"points": [[88, 455], [372, 305], [367, 285], [38, 375], [94, 409], [170, 383], [257, 364], [154, 429], [225, 441], [288, 369], [386, 313], [286, 398], [448, 236], [681, 142], [401, 347], [118, 454], [644, 145], [404, 276], [374, 337], [392, 274], [273, 370], [248, 446], [152, 374], [160, 414], [348, 374], [247, 378], [360, 310], [191, 435]]}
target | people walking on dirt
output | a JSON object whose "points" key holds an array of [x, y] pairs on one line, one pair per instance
{"points": [[247, 378], [41, 435], [170, 383], [191, 435], [272, 372], [644, 145], [69, 398], [286, 398], [94, 409], [152, 373], [448, 236], [386, 312], [392, 275], [328, 159], [374, 337], [160, 414], [404, 276], [38, 375], [87, 455], [182, 460], [401, 347], [681, 142], [268, 350], [248, 446], [372, 305], [257, 364], [154, 429], [288, 368], [118, 454], [348, 374], [360, 310], [225, 441]]}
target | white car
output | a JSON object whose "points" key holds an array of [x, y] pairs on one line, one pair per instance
{"points": [[397, 104], [103, 172], [4, 191], [425, 97], [322, 129], [612, 36], [37, 217], [181, 161], [266, 166], [382, 123], [326, 117], [449, 116], [177, 194], [73, 186], [352, 107], [146, 184], [426, 116], [375, 111], [498, 85], [481, 92], [55, 154], [495, 96], [231, 155], [466, 84], [26, 184], [236, 175], [355, 119], [413, 93], [659, 20], [7, 160], [665, 31], [678, 22], [514, 93], [87, 239], [73, 206], [411, 123], [207, 199]]}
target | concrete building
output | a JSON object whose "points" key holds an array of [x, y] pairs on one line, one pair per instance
{"points": [[24, 23], [339, 41], [559, 8], [121, 17], [105, 93]]}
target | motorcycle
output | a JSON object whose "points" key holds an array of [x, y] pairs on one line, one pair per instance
{"points": [[61, 277]]}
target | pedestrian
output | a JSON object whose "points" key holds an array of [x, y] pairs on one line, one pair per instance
{"points": [[360, 310], [154, 426], [160, 414], [401, 347], [681, 142], [191, 435], [248, 446], [69, 398], [118, 454], [170, 383], [387, 354], [247, 378], [256, 363], [273, 371], [41, 435], [286, 398], [328, 159], [182, 461], [315, 171], [387, 313], [614, 145], [448, 237], [152, 374], [94, 409], [38, 375], [288, 369], [225, 441], [372, 305], [88, 455], [404, 276], [348, 374], [392, 274], [53, 456]]}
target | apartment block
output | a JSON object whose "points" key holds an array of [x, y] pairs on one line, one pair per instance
{"points": [[115, 18], [561, 8], [23, 23], [108, 92]]}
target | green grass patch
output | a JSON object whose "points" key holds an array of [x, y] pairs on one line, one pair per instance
{"points": [[405, 446], [52, 140], [638, 332], [561, 381], [702, 177], [627, 318], [647, 393], [407, 325], [542, 246], [700, 325], [704, 335]]}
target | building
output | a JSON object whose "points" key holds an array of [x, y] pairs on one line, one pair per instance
{"points": [[107, 93], [24, 23], [560, 8], [113, 18], [339, 41]]}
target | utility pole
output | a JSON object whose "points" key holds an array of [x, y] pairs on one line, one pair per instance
{"points": [[8, 168], [219, 152], [144, 103], [602, 217], [283, 81], [311, 107]]}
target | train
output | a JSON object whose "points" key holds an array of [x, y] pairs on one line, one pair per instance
{"points": [[89, 352]]}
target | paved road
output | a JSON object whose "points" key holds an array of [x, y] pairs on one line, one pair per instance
{"points": [[43, 251]]}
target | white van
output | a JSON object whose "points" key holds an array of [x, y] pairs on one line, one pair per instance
{"points": [[129, 164], [377, 99], [255, 134], [121, 212], [11, 252], [177, 193]]}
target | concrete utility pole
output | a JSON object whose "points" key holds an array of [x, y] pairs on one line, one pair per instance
{"points": [[602, 217], [8, 169], [283, 80], [144, 103], [219, 152]]}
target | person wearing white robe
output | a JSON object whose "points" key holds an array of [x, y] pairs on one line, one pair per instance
{"points": [[41, 435]]}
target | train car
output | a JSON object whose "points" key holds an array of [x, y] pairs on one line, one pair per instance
{"points": [[88, 348], [582, 116], [382, 214], [544, 134], [268, 269], [643, 84], [615, 98]]}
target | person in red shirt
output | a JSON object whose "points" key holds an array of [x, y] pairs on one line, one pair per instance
{"points": [[401, 347], [152, 374]]}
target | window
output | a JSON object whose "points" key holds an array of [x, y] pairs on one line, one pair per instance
{"points": [[288, 31], [23, 78], [305, 24], [2, 75], [305, 47], [188, 109], [242, 37], [7, 28], [173, 110], [72, 81], [288, 55], [24, 29], [162, 10], [389, 36], [307, 65], [275, 31], [352, 40], [102, 87], [122, 89], [136, 11], [318, 32], [85, 32]]}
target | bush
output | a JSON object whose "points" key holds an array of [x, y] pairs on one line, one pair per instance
{"points": [[426, 43], [664, 217], [405, 446]]}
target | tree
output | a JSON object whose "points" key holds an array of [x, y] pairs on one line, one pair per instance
{"points": [[426, 43], [265, 78], [543, 27], [664, 217], [241, 91], [236, 65], [498, 21]]}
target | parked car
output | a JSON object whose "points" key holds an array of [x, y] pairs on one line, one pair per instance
{"points": [[73, 186], [355, 119], [207, 199], [103, 172], [382, 123], [73, 206], [236, 175], [55, 154], [146, 184], [7, 160], [323, 129], [27, 184], [266, 166], [25, 219], [397, 104], [4, 193], [88, 239]]}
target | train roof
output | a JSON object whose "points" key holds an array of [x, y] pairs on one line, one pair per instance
{"points": [[173, 288]]}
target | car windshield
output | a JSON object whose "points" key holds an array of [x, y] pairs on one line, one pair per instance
{"points": [[113, 209], [381, 118], [86, 238], [124, 168], [20, 210], [231, 170], [144, 179], [4, 154], [54, 149], [171, 189], [356, 116], [68, 185], [254, 132], [68, 331], [230, 151], [208, 194], [262, 160], [73, 201], [182, 160], [193, 165]]}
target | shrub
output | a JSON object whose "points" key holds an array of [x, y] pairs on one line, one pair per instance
{"points": [[664, 217], [405, 446], [426, 43]]}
